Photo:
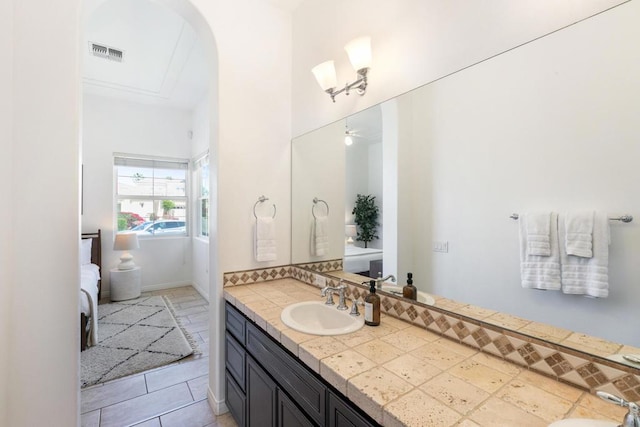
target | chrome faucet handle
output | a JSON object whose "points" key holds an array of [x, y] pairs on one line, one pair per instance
{"points": [[354, 307], [632, 418], [328, 292], [342, 303]]}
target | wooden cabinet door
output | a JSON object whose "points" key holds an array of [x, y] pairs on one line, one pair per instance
{"points": [[288, 413], [341, 415], [261, 396]]}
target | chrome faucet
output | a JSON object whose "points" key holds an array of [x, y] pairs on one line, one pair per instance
{"points": [[328, 292], [632, 418], [381, 280]]}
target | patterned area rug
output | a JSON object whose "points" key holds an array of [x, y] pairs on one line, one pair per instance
{"points": [[133, 336]]}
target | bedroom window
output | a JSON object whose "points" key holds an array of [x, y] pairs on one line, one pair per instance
{"points": [[151, 196], [201, 167]]}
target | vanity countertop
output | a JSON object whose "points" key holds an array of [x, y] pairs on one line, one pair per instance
{"points": [[403, 375]]}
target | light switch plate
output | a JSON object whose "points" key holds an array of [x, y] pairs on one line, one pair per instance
{"points": [[441, 246]]}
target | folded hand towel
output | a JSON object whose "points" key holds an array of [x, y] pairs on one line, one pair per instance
{"points": [[587, 276], [265, 239], [579, 233], [320, 236], [540, 272], [538, 232]]}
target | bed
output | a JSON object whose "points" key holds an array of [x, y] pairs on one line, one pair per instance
{"points": [[90, 287], [357, 260]]}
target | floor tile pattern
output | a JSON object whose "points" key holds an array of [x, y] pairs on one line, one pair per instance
{"points": [[169, 396]]}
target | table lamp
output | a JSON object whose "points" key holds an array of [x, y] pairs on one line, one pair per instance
{"points": [[126, 242]]}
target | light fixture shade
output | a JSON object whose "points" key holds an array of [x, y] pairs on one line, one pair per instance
{"points": [[359, 51], [325, 75], [126, 242], [348, 140]]}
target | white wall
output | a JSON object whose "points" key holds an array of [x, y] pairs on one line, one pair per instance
{"points": [[413, 43], [6, 174], [549, 126], [44, 340], [253, 154], [200, 266], [252, 160], [117, 126]]}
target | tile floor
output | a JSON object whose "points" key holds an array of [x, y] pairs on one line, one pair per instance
{"points": [[169, 396]]}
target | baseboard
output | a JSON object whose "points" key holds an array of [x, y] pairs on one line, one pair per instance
{"points": [[163, 286], [204, 292], [218, 407]]}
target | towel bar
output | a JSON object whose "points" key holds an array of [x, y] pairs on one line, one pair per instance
{"points": [[622, 218]]}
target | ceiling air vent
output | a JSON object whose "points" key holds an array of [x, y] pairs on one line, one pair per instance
{"points": [[106, 52]]}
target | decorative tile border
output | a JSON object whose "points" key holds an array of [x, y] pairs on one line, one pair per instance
{"points": [[322, 266], [556, 361], [255, 276]]}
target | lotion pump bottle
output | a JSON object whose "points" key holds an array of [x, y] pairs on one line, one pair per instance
{"points": [[409, 291], [372, 306]]}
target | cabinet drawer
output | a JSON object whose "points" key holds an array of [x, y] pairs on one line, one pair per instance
{"points": [[235, 322], [235, 357], [236, 400], [305, 389]]}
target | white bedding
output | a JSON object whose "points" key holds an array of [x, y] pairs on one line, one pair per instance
{"points": [[357, 259], [89, 276]]}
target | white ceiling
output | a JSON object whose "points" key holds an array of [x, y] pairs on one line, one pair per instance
{"points": [[366, 125], [163, 63]]}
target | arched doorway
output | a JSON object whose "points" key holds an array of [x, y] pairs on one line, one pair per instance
{"points": [[186, 10]]}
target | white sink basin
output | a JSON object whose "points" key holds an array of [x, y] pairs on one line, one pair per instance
{"points": [[397, 290], [317, 318], [583, 422]]}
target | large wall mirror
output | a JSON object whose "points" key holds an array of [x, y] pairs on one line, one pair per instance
{"points": [[550, 126]]}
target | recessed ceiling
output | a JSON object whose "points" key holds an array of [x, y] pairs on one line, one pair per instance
{"points": [[163, 61]]}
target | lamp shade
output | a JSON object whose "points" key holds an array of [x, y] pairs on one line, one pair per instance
{"points": [[359, 51], [125, 242], [325, 74], [350, 230]]}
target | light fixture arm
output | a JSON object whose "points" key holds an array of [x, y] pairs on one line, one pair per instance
{"points": [[360, 85]]}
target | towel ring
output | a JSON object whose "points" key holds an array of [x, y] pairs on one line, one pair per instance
{"points": [[260, 200], [315, 202]]}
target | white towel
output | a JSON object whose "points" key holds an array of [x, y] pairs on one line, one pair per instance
{"points": [[320, 236], [579, 233], [265, 239], [587, 276], [538, 232], [540, 272]]}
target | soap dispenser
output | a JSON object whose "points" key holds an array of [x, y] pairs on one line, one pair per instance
{"points": [[409, 291], [372, 306]]}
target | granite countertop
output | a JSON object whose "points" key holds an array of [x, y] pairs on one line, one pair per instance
{"points": [[403, 375]]}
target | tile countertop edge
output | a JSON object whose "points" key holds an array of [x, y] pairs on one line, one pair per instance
{"points": [[400, 395]]}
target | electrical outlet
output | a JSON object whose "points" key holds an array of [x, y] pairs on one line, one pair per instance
{"points": [[321, 281], [441, 246]]}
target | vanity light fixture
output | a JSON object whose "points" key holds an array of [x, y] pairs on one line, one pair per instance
{"points": [[359, 51]]}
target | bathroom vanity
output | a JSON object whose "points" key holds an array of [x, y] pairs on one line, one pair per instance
{"points": [[263, 380], [396, 374]]}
